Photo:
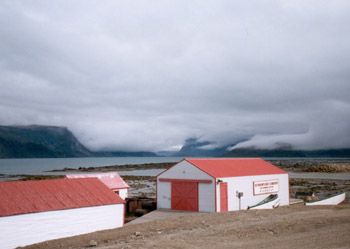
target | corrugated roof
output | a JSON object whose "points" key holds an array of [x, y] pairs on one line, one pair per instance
{"points": [[111, 179], [235, 167], [22, 197]]}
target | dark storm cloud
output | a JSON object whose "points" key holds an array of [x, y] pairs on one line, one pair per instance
{"points": [[147, 75]]}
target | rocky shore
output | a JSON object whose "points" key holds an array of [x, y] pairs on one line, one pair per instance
{"points": [[313, 165], [127, 167]]}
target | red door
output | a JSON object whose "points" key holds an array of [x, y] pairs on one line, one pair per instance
{"points": [[223, 197], [184, 196]]}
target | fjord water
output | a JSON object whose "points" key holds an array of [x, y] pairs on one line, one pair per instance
{"points": [[39, 166]]}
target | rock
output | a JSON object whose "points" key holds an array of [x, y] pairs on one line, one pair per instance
{"points": [[138, 233], [92, 243]]}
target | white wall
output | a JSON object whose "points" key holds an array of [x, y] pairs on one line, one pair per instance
{"points": [[206, 197], [26, 229], [185, 170], [164, 195], [245, 184], [123, 192]]}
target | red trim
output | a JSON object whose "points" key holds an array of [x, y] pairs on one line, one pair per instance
{"points": [[184, 180], [288, 191], [216, 207], [156, 193], [120, 188], [197, 197], [222, 207]]}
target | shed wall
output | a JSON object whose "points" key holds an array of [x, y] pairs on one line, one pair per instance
{"points": [[26, 229], [245, 184], [206, 197], [163, 194], [185, 170], [123, 192]]}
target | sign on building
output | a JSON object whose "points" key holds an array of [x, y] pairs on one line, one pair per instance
{"points": [[266, 187]]}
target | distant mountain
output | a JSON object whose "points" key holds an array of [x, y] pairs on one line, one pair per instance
{"points": [[166, 153], [288, 153], [193, 147], [48, 142], [124, 154], [39, 141], [53, 141]]}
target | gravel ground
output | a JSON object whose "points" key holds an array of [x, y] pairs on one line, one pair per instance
{"points": [[285, 227]]}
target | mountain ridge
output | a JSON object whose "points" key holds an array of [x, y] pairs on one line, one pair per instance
{"points": [[193, 147], [252, 152], [39, 141]]}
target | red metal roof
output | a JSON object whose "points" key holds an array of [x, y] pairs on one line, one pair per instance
{"points": [[111, 179], [235, 167], [22, 197]]}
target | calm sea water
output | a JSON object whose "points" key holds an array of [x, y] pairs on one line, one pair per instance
{"points": [[38, 166]]}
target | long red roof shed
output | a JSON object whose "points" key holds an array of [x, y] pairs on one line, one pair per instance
{"points": [[22, 197], [231, 167], [111, 179]]}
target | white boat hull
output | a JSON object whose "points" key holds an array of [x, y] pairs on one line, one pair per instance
{"points": [[334, 200], [268, 205]]}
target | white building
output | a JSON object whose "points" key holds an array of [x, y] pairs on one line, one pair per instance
{"points": [[36, 211], [111, 179], [217, 185]]}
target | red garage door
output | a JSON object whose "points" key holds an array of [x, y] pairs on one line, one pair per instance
{"points": [[184, 196]]}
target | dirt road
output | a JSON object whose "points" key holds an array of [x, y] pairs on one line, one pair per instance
{"points": [[284, 227]]}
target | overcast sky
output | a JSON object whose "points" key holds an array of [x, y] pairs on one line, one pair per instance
{"points": [[147, 75]]}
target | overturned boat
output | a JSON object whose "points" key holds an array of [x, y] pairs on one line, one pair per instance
{"points": [[333, 200], [272, 201]]}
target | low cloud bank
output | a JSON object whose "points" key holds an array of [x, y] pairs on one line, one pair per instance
{"points": [[137, 76]]}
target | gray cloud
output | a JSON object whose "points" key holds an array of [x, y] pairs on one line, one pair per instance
{"points": [[147, 75]]}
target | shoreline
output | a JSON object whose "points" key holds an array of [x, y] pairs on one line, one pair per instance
{"points": [[145, 186], [289, 165], [125, 167]]}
